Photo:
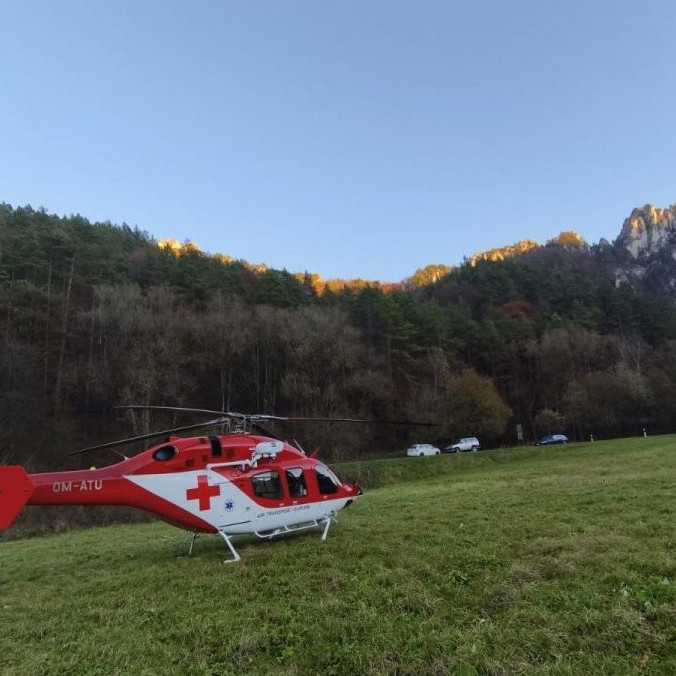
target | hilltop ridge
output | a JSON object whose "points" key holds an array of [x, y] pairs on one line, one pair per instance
{"points": [[646, 233]]}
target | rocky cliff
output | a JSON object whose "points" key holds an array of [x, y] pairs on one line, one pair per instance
{"points": [[648, 231], [568, 239], [645, 250], [493, 255]]}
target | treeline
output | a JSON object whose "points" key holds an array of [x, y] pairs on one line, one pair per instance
{"points": [[93, 315]]}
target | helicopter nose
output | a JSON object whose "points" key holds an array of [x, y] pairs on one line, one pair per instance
{"points": [[356, 491]]}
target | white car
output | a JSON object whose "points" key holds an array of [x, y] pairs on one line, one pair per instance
{"points": [[464, 444], [419, 450]]}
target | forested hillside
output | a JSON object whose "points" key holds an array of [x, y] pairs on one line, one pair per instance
{"points": [[551, 337]]}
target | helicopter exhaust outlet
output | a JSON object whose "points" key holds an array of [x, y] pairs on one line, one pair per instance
{"points": [[16, 489]]}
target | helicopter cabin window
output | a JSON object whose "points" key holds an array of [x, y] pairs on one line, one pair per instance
{"points": [[164, 453], [327, 480], [267, 485], [295, 478]]}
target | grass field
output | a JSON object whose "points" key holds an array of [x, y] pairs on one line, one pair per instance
{"points": [[553, 561]]}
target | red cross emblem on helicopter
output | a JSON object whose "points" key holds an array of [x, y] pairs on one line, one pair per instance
{"points": [[204, 492]]}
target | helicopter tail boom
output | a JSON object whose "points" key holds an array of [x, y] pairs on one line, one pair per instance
{"points": [[16, 489]]}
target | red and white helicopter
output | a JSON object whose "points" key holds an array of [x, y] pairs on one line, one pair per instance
{"points": [[237, 483]]}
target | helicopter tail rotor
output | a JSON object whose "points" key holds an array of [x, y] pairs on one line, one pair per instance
{"points": [[16, 489]]}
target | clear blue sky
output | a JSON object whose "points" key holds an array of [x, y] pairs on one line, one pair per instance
{"points": [[347, 138]]}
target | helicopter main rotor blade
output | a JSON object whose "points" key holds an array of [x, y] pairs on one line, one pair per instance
{"points": [[253, 417], [181, 409], [152, 435], [275, 418]]}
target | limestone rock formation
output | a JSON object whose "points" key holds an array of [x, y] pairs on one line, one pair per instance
{"points": [[522, 247], [647, 230], [569, 238]]}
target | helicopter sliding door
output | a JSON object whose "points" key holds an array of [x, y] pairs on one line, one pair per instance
{"points": [[268, 489], [297, 485]]}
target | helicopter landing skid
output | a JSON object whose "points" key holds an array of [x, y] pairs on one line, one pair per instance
{"points": [[235, 555], [195, 535], [326, 528], [323, 523]]}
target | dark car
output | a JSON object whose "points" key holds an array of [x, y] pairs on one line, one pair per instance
{"points": [[552, 439]]}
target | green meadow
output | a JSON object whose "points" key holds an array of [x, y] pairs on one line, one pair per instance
{"points": [[523, 561]]}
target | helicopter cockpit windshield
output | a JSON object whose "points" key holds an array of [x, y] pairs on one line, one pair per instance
{"points": [[327, 480]]}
